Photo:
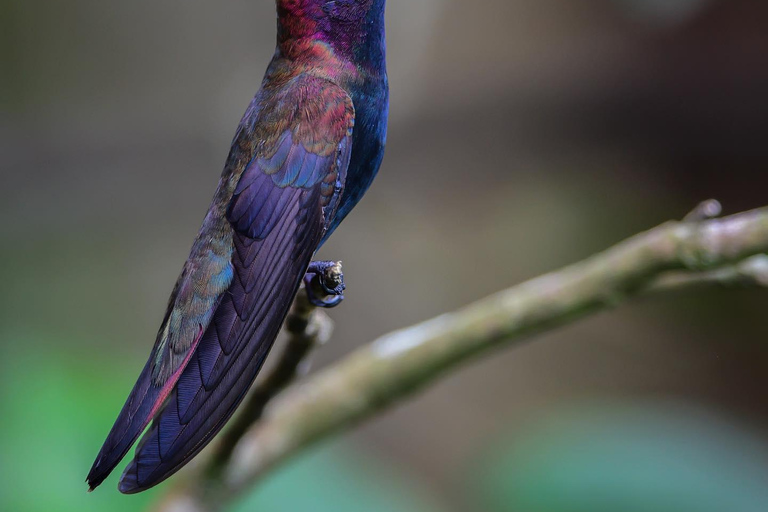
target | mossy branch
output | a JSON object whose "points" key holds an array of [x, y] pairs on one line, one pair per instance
{"points": [[700, 250]]}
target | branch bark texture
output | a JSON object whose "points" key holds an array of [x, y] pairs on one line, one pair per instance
{"points": [[674, 255]]}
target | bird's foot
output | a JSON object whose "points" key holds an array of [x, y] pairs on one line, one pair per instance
{"points": [[324, 283]]}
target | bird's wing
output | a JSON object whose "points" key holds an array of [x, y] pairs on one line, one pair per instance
{"points": [[206, 276], [279, 210]]}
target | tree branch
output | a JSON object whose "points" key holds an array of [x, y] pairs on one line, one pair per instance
{"points": [[675, 255], [750, 272]]}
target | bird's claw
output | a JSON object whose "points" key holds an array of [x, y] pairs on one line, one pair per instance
{"points": [[324, 282]]}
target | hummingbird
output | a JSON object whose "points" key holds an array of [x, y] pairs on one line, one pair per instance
{"points": [[306, 150]]}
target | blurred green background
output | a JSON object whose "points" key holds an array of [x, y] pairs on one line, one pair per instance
{"points": [[524, 135]]}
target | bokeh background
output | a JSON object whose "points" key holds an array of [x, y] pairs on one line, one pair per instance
{"points": [[524, 135]]}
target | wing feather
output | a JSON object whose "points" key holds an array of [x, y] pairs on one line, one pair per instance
{"points": [[204, 399], [279, 210], [189, 311]]}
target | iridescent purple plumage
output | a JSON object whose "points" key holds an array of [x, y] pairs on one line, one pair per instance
{"points": [[306, 150]]}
